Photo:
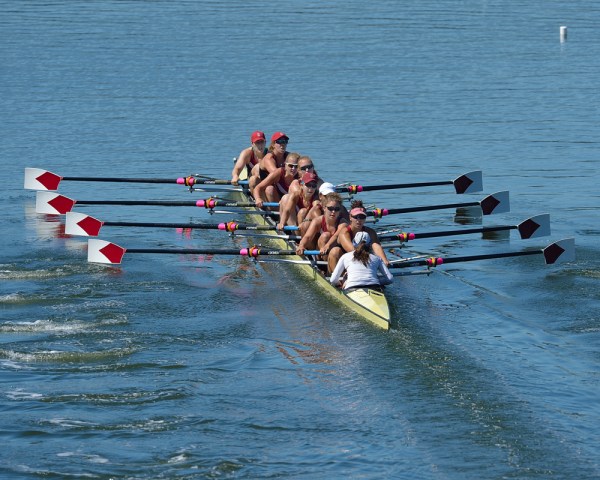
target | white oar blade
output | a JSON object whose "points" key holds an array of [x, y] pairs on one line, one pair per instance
{"points": [[534, 227], [38, 179], [469, 182], [561, 251], [495, 203], [52, 203], [82, 225], [101, 251]]}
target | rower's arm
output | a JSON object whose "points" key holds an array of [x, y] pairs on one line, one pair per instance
{"points": [[376, 246], [271, 179], [241, 162], [345, 241], [309, 237], [337, 273]]}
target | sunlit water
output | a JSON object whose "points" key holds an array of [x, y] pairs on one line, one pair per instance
{"points": [[192, 366]]}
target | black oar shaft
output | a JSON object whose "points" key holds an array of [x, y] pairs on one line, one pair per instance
{"points": [[162, 203], [448, 233], [391, 211], [199, 226], [120, 180], [467, 258], [368, 188], [213, 251]]}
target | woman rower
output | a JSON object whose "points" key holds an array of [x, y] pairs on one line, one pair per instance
{"points": [[249, 157], [284, 176], [323, 230], [265, 190], [295, 206], [361, 266], [291, 206], [358, 216]]}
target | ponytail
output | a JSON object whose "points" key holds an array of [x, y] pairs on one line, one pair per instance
{"points": [[361, 253]]}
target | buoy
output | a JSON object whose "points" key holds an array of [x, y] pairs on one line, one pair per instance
{"points": [[563, 33]]}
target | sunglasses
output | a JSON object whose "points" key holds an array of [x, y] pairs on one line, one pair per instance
{"points": [[281, 141], [292, 165], [359, 217], [307, 167], [311, 185], [334, 209]]}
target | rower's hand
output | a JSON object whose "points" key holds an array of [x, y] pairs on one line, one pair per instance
{"points": [[235, 180], [280, 227], [324, 250], [299, 250], [259, 203]]}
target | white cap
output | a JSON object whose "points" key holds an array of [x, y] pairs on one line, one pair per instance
{"points": [[361, 237], [326, 188]]}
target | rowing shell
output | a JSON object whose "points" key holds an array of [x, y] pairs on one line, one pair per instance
{"points": [[370, 304]]}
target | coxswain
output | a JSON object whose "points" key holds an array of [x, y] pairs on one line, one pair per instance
{"points": [[362, 268]]}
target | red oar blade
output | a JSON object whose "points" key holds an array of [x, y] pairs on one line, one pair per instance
{"points": [[82, 225], [534, 227], [495, 203], [469, 182], [561, 251], [101, 251], [38, 179], [52, 203]]}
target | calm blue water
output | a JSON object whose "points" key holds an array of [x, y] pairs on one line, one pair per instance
{"points": [[188, 367]]}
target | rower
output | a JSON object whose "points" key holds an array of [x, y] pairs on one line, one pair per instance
{"points": [[361, 266], [324, 230], [249, 157], [265, 190], [290, 205], [295, 207], [358, 216], [280, 178]]}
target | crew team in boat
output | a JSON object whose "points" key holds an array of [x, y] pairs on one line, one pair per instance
{"points": [[311, 204]]}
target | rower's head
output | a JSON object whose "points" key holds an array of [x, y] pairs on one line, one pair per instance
{"points": [[325, 189], [361, 237], [362, 247], [358, 215], [332, 204], [258, 140], [310, 182], [291, 163], [305, 164], [279, 141]]}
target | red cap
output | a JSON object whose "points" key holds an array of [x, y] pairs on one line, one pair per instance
{"points": [[309, 177], [277, 135], [257, 136]]}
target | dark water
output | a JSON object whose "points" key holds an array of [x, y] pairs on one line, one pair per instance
{"points": [[184, 367]]}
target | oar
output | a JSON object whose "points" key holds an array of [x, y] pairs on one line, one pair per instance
{"points": [[85, 225], [495, 203], [101, 251], [537, 226], [560, 251], [52, 203], [467, 183], [39, 179]]}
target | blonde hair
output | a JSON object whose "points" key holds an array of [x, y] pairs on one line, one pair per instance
{"points": [[333, 197]]}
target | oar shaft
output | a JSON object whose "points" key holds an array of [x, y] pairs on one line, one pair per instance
{"points": [[445, 233], [433, 261], [231, 226], [368, 188], [120, 180], [391, 211]]}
